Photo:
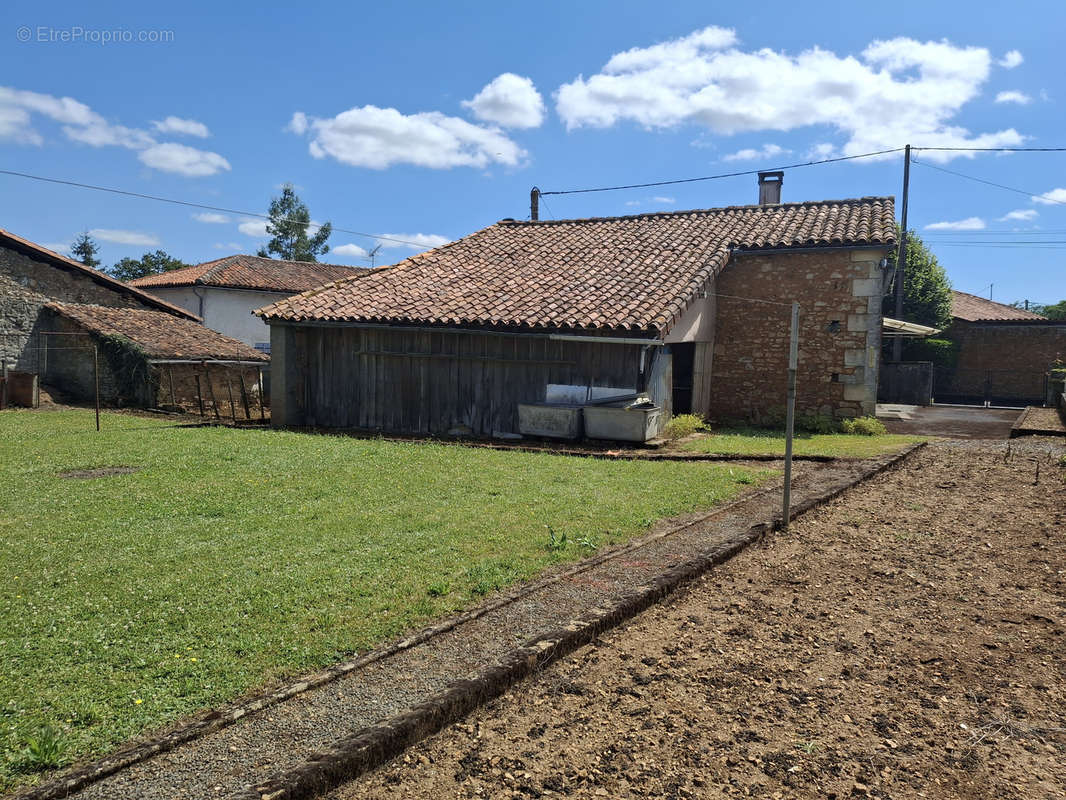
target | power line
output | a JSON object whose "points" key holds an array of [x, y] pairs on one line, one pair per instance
{"points": [[995, 149], [987, 183], [723, 175], [189, 204]]}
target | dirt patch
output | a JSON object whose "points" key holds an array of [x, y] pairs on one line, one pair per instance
{"points": [[99, 472], [904, 641]]}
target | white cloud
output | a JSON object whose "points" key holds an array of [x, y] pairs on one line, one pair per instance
{"points": [[132, 238], [1021, 98], [63, 248], [380, 137], [298, 124], [1021, 215], [509, 100], [1052, 198], [1012, 59], [632, 202], [235, 247], [895, 91], [968, 224], [187, 127], [184, 160], [253, 227], [349, 251], [412, 241], [211, 218], [79, 123], [669, 201], [750, 153]]}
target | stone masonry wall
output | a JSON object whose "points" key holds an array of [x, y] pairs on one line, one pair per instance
{"points": [[1013, 346], [839, 293], [26, 284]]}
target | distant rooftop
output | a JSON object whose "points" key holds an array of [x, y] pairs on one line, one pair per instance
{"points": [[251, 272], [971, 308]]}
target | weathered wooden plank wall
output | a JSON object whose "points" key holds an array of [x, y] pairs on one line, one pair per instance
{"points": [[437, 382]]}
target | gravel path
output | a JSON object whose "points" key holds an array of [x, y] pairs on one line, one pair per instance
{"points": [[905, 640], [261, 744]]}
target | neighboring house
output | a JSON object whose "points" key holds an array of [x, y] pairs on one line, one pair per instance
{"points": [[452, 340], [225, 292], [1004, 353], [55, 313]]}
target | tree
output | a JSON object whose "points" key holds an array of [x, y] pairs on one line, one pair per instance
{"points": [[926, 288], [85, 249], [129, 269], [1053, 311], [289, 221]]}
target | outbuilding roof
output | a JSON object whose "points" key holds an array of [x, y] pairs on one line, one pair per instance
{"points": [[158, 334], [971, 308], [251, 272], [635, 273], [34, 250]]}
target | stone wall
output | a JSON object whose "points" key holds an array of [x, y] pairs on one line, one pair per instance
{"points": [[186, 386], [26, 284], [839, 292]]}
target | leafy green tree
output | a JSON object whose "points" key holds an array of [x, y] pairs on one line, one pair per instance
{"points": [[926, 288], [1053, 311], [129, 269], [289, 221], [85, 250]]}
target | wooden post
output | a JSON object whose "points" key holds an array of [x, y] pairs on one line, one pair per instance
{"points": [[244, 395], [96, 380], [790, 417], [262, 409], [170, 375], [229, 390], [901, 257], [211, 390], [199, 395]]}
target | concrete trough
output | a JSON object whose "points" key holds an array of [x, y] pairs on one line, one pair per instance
{"points": [[634, 422], [551, 420]]}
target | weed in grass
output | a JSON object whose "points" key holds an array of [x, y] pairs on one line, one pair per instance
{"points": [[863, 426], [45, 749], [439, 589], [684, 425], [807, 747], [555, 543]]}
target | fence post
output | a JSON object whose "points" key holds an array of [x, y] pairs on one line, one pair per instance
{"points": [[790, 416], [96, 380]]}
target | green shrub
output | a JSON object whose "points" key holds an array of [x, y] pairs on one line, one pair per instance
{"points": [[815, 423], [684, 425], [864, 426], [942, 352]]}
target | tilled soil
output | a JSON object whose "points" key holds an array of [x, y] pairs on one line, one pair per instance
{"points": [[905, 640]]}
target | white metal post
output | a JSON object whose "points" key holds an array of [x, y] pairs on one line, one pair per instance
{"points": [[790, 417]]}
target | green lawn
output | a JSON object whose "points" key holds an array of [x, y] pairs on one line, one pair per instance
{"points": [[232, 558], [758, 441]]}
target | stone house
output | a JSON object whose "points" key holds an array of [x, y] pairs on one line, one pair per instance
{"points": [[71, 325], [454, 339], [225, 292]]}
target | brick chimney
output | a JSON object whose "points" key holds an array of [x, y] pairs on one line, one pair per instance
{"points": [[770, 188]]}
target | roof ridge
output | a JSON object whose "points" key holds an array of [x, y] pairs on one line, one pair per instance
{"points": [[684, 212]]}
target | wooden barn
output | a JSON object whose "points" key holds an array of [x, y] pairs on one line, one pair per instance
{"points": [[690, 308]]}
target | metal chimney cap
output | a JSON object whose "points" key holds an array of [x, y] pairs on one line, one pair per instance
{"points": [[779, 174]]}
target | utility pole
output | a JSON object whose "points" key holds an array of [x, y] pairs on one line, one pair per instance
{"points": [[901, 256], [534, 204], [790, 413]]}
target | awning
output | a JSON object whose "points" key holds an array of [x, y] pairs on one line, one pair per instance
{"points": [[897, 327]]}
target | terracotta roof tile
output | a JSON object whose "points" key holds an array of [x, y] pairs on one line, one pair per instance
{"points": [[252, 272], [635, 273], [971, 308], [158, 334]]}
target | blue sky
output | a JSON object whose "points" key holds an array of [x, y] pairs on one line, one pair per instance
{"points": [[427, 121]]}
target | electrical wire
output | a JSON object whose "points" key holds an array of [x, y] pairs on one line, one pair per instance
{"points": [[987, 183], [724, 174], [189, 204]]}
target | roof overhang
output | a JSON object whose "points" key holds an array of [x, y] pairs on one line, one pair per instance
{"points": [[897, 327]]}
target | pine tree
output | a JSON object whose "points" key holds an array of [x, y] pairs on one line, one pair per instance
{"points": [[85, 249], [289, 221]]}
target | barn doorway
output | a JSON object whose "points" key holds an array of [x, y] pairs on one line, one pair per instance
{"points": [[684, 357]]}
